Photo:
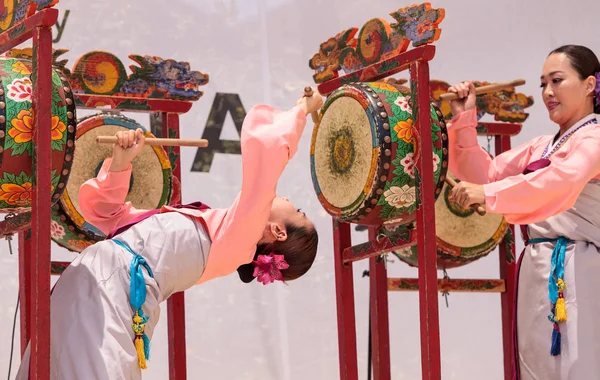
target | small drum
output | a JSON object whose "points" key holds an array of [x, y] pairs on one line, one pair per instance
{"points": [[362, 151], [150, 185], [16, 135], [463, 236]]}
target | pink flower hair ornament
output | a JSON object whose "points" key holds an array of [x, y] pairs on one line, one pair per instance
{"points": [[267, 268]]}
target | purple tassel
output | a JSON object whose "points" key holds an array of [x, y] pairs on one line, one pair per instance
{"points": [[555, 349]]}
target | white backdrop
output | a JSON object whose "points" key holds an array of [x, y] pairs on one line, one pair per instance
{"points": [[260, 49]]}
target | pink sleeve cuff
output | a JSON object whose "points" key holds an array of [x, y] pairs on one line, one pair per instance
{"points": [[493, 191], [108, 179], [490, 197]]}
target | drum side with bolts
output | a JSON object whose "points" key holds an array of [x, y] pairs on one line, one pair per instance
{"points": [[362, 153], [17, 145]]}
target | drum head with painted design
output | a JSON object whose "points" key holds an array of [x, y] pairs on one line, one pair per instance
{"points": [[344, 154]]}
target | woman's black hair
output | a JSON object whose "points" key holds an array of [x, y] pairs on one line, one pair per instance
{"points": [[299, 251]]}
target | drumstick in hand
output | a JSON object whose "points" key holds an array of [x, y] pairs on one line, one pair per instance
{"points": [[487, 89], [202, 143], [477, 207], [308, 92]]}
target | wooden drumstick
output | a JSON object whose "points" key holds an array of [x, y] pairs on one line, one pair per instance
{"points": [[487, 89], [202, 143], [308, 92], [477, 207]]}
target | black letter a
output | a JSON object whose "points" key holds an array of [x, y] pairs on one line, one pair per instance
{"points": [[212, 132]]}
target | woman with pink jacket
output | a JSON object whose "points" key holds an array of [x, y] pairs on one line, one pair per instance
{"points": [[105, 305], [551, 187]]}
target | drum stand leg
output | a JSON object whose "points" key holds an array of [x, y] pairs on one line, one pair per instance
{"points": [[379, 317], [345, 303], [39, 306], [426, 237], [507, 299], [176, 303], [508, 273], [176, 331], [370, 340]]}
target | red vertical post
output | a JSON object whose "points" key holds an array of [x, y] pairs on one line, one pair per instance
{"points": [[508, 273], [427, 258], [344, 288], [380, 326], [175, 303], [41, 198], [24, 287]]}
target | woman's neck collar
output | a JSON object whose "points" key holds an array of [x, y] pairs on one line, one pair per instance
{"points": [[567, 127]]}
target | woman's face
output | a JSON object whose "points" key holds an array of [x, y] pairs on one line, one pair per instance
{"points": [[566, 96], [282, 210], [283, 213]]}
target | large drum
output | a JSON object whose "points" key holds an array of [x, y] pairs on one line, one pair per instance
{"points": [[362, 155], [462, 235], [16, 136], [150, 186]]}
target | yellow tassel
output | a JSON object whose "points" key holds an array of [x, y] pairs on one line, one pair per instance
{"points": [[138, 329], [561, 310], [139, 347]]}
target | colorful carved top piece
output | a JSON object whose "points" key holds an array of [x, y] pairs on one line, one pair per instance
{"points": [[15, 11], [102, 73], [419, 23], [505, 105], [377, 40]]}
